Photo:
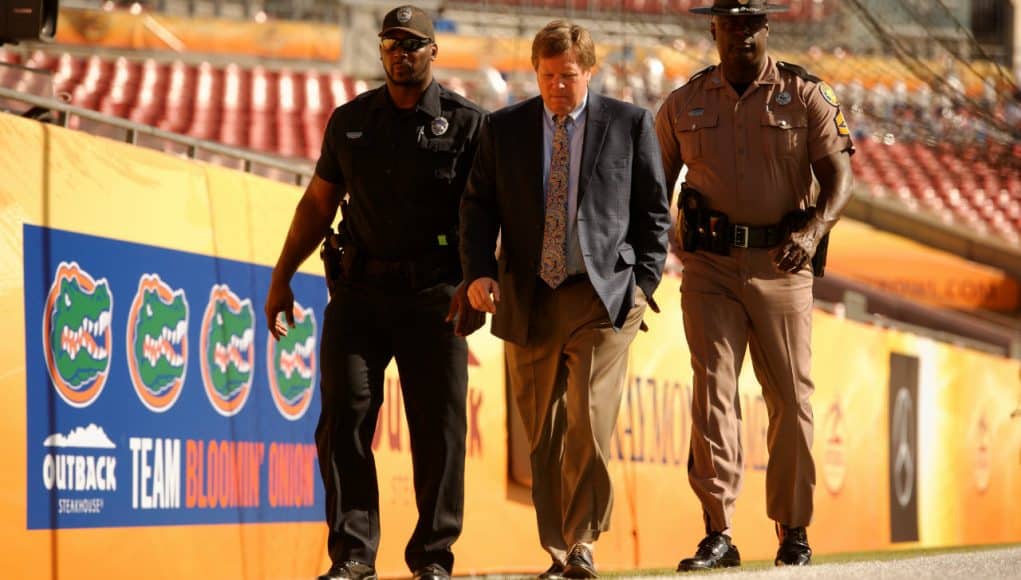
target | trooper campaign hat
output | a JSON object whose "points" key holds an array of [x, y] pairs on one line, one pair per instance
{"points": [[409, 19], [740, 8]]}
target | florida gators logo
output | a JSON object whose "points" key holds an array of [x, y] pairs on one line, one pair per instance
{"points": [[157, 342], [77, 337], [291, 365], [227, 350]]}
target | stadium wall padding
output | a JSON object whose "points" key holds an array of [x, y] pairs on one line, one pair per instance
{"points": [[121, 255]]}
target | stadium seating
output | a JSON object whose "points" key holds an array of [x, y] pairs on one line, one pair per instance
{"points": [[955, 186], [800, 10], [275, 111], [965, 183]]}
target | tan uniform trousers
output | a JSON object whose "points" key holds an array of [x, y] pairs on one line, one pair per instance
{"points": [[567, 383], [730, 302]]}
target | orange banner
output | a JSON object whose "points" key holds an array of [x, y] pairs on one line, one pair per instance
{"points": [[917, 272], [275, 39]]}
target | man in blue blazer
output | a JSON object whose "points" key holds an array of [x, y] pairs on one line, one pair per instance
{"points": [[572, 183]]}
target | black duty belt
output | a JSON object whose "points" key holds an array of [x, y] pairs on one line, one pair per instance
{"points": [[413, 274], [757, 236], [374, 268]]}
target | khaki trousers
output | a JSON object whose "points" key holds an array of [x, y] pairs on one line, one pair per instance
{"points": [[730, 303], [567, 383]]}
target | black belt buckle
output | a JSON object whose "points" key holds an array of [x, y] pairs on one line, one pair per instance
{"points": [[740, 236]]}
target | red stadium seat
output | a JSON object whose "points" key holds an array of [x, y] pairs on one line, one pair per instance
{"points": [[123, 90], [178, 111], [235, 105]]}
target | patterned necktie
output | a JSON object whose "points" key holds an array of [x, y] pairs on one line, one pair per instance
{"points": [[554, 239]]}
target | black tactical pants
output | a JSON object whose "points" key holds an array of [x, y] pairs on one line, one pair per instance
{"points": [[363, 329]]}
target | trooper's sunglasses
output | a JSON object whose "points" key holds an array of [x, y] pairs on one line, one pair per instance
{"points": [[409, 44]]}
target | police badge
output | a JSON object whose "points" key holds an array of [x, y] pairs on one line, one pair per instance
{"points": [[439, 126], [404, 14], [783, 98]]}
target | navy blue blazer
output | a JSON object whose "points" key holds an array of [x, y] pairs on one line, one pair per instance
{"points": [[623, 208]]}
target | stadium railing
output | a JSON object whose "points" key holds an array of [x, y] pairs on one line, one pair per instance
{"points": [[192, 148]]}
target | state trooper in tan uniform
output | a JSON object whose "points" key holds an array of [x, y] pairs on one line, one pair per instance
{"points": [[752, 132]]}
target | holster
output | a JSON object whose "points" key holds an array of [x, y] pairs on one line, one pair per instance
{"points": [[819, 258], [701, 227], [339, 257]]}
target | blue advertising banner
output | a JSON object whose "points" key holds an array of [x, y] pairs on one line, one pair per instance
{"points": [[155, 394]]}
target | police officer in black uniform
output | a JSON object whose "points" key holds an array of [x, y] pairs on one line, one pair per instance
{"points": [[401, 153]]}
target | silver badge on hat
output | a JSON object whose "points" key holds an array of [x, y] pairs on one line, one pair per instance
{"points": [[404, 14], [439, 126], [783, 98]]}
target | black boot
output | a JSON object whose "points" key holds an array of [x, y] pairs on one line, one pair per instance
{"points": [[714, 551], [350, 570], [580, 563], [431, 572], [794, 549], [554, 572]]}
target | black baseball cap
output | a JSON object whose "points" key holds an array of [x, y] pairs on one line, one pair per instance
{"points": [[409, 19]]}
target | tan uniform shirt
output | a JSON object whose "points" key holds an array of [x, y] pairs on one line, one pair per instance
{"points": [[750, 156]]}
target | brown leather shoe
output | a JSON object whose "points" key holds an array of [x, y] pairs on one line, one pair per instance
{"points": [[714, 551], [794, 549], [580, 564]]}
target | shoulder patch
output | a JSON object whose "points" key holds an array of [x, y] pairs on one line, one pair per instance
{"points": [[701, 73], [841, 124], [828, 94], [798, 71]]}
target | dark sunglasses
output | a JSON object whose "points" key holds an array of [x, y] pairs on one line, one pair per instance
{"points": [[409, 44], [755, 23]]}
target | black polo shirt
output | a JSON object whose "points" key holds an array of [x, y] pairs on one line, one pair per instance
{"points": [[404, 170]]}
